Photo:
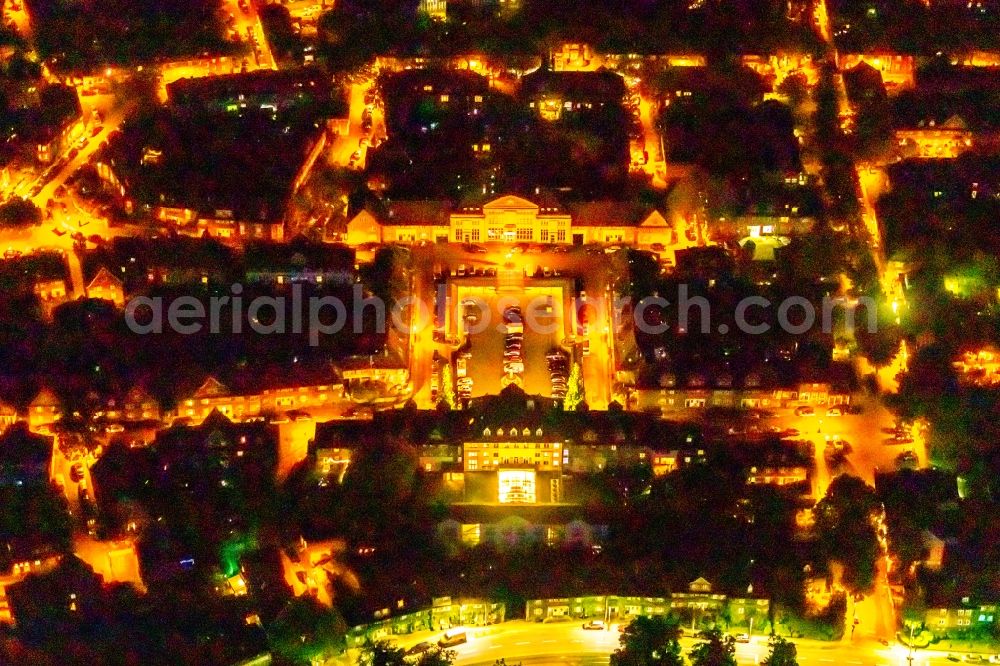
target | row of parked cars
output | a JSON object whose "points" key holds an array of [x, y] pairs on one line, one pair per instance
{"points": [[513, 360], [558, 372], [464, 381]]}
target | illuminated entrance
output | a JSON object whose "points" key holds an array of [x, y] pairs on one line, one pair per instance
{"points": [[517, 486]]}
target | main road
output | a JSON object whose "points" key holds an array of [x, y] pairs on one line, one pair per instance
{"points": [[568, 643]]}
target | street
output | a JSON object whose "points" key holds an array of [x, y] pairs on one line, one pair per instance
{"points": [[568, 643]]}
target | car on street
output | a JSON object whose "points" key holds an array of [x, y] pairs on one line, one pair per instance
{"points": [[804, 411], [452, 639], [742, 638], [594, 625], [76, 473], [419, 648], [835, 411]]}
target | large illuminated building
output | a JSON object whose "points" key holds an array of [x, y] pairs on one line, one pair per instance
{"points": [[514, 465], [511, 219]]}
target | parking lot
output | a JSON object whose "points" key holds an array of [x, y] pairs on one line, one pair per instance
{"points": [[542, 330]]}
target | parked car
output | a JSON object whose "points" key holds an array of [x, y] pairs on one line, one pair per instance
{"points": [[835, 411], [513, 366], [804, 411], [597, 625], [742, 638], [419, 648]]}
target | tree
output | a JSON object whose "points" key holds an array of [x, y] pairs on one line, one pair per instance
{"points": [[715, 649], [649, 641], [19, 213], [384, 653], [782, 652], [844, 522], [574, 389], [381, 653], [305, 629], [448, 387], [795, 87]]}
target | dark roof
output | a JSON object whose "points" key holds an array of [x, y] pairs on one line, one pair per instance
{"points": [[442, 81], [600, 86], [864, 83], [24, 454], [257, 377], [405, 213], [609, 213], [539, 514], [280, 88], [297, 254], [243, 163]]}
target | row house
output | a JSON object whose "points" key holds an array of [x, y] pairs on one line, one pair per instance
{"points": [[136, 406], [674, 400], [777, 475], [699, 601], [213, 395], [897, 71], [964, 617], [929, 138]]}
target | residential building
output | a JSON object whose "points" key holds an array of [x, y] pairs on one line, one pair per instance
{"points": [[623, 608], [436, 9], [470, 525], [44, 410], [552, 94], [262, 389], [980, 367], [443, 613], [51, 294], [929, 138], [961, 618], [8, 416], [225, 158], [620, 608], [135, 406], [106, 286], [697, 393], [898, 71], [775, 475]]}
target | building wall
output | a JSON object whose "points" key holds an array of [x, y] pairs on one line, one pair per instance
{"points": [[492, 455], [943, 621]]}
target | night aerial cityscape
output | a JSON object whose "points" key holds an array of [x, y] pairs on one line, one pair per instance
{"points": [[500, 332]]}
